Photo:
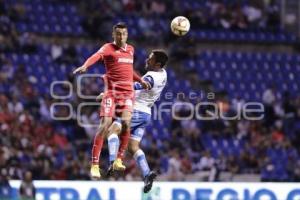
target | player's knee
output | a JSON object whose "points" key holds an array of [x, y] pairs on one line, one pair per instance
{"points": [[115, 128], [131, 150], [126, 125], [104, 125], [133, 147]]}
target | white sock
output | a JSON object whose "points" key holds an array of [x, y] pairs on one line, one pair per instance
{"points": [[141, 161]]}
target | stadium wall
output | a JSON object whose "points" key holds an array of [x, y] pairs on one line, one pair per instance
{"points": [[93, 190]]}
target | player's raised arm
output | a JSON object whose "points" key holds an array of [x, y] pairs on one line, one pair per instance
{"points": [[91, 60], [100, 97]]}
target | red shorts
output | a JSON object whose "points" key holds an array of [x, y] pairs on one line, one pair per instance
{"points": [[114, 103]]}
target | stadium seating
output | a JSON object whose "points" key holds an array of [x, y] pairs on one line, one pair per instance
{"points": [[235, 72], [53, 18], [248, 75], [240, 74]]}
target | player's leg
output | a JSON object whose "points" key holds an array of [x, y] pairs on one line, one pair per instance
{"points": [[112, 136], [97, 145], [136, 121], [106, 113], [125, 105], [124, 138], [140, 158], [139, 122], [113, 139]]}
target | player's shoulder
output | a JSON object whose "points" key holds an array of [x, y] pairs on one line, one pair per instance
{"points": [[108, 45], [165, 72], [161, 73], [105, 47], [130, 47], [156, 76]]}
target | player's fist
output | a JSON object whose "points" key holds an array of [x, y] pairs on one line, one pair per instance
{"points": [[81, 69], [146, 85], [100, 97]]}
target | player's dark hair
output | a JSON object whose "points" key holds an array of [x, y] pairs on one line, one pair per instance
{"points": [[119, 25], [160, 57]]}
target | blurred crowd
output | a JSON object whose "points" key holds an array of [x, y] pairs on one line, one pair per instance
{"points": [[148, 20], [12, 40], [31, 140], [149, 16], [269, 147], [238, 15]]}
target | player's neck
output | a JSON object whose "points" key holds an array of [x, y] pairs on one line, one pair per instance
{"points": [[123, 46]]}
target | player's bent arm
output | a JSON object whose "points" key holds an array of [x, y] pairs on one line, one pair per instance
{"points": [[148, 79], [136, 77]]}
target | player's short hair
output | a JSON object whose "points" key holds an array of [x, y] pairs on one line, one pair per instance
{"points": [[119, 25], [160, 57]]}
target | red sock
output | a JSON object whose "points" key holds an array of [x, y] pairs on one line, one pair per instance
{"points": [[124, 138], [97, 147]]}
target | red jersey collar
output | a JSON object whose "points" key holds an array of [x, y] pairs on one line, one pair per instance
{"points": [[123, 48]]}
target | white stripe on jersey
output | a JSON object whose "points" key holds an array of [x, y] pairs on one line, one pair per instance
{"points": [[144, 99]]}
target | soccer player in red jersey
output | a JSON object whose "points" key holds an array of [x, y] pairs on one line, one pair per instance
{"points": [[118, 96]]}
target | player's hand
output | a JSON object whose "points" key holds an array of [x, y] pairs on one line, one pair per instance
{"points": [[81, 69], [100, 97], [146, 85]]}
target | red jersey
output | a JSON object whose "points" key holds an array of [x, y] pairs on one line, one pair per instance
{"points": [[119, 66]]}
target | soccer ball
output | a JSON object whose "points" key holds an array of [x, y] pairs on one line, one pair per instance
{"points": [[180, 25]]}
